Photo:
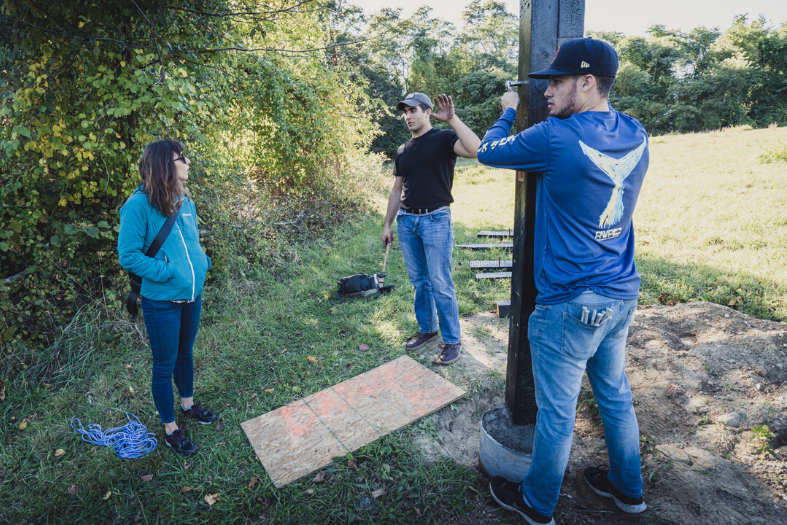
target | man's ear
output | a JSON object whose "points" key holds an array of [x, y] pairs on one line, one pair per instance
{"points": [[588, 83]]}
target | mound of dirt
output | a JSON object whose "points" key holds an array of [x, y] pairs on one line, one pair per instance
{"points": [[705, 378]]}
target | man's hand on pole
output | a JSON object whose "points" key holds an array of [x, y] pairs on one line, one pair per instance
{"points": [[445, 108], [510, 99]]}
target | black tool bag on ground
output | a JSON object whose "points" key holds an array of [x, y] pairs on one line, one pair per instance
{"points": [[358, 285], [155, 246]]}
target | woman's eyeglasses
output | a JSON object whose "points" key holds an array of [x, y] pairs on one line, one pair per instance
{"points": [[183, 159]]}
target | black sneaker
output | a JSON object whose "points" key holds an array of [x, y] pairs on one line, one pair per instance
{"points": [[509, 496], [180, 444], [204, 417], [598, 481], [419, 340], [449, 354]]}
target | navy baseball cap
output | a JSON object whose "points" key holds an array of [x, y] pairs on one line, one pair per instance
{"points": [[414, 99], [582, 56]]}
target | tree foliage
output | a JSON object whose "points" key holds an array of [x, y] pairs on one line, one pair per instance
{"points": [[703, 79], [87, 84], [427, 54]]}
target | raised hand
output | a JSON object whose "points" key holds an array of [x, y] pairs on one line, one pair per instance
{"points": [[445, 108]]}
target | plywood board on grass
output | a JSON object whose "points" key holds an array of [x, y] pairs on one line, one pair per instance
{"points": [[304, 436]]}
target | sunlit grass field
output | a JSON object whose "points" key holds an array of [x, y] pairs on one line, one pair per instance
{"points": [[710, 226]]}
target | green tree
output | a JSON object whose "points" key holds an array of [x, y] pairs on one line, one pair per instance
{"points": [[86, 85]]}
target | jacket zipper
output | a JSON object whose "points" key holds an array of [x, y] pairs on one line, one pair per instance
{"points": [[193, 279]]}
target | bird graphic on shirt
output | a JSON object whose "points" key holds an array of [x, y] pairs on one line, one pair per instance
{"points": [[617, 170]]}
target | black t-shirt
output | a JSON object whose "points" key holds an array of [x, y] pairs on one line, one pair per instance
{"points": [[426, 165]]}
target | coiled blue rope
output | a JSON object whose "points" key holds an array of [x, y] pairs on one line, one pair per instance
{"points": [[130, 441]]}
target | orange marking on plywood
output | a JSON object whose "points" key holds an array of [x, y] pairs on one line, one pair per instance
{"points": [[299, 438]]}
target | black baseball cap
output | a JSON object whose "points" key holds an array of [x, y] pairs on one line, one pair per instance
{"points": [[414, 99], [582, 56]]}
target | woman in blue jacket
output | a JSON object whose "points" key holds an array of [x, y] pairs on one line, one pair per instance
{"points": [[171, 281]]}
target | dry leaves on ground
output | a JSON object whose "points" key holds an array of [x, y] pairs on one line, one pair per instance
{"points": [[417, 510], [211, 499], [186, 465], [363, 347], [147, 477], [2, 391], [107, 495], [319, 477], [377, 493], [308, 492], [73, 489], [252, 481], [59, 452], [268, 390], [23, 423], [352, 465], [311, 359]]}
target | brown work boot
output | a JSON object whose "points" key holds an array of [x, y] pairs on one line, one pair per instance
{"points": [[419, 340]]}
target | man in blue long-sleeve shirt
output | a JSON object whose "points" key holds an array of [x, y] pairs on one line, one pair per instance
{"points": [[591, 162]]}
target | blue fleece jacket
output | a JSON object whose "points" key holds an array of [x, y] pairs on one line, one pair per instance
{"points": [[591, 168], [178, 270]]}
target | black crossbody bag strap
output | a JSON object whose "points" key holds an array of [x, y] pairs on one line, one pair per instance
{"points": [[155, 246]]}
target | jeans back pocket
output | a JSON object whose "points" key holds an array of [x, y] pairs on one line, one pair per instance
{"points": [[584, 327]]}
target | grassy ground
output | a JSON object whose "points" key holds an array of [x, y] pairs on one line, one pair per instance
{"points": [[710, 226], [710, 222]]}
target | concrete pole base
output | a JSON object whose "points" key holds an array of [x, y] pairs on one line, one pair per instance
{"points": [[506, 449]]}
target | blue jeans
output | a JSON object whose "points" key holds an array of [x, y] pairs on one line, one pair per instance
{"points": [[427, 241], [172, 328], [563, 348]]}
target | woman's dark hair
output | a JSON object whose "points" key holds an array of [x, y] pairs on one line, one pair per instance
{"points": [[159, 175]]}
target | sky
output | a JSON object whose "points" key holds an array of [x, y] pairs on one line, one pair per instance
{"points": [[631, 17]]}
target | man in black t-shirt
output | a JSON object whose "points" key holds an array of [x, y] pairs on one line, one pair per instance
{"points": [[420, 199]]}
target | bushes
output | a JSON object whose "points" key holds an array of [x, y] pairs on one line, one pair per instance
{"points": [[86, 85], [261, 223]]}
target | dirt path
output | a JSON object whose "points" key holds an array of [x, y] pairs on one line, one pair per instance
{"points": [[702, 377]]}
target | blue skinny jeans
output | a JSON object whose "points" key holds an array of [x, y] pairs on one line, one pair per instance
{"points": [[172, 328]]}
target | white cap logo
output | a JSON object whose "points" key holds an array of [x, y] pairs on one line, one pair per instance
{"points": [[584, 64]]}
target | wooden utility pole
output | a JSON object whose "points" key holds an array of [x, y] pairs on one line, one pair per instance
{"points": [[543, 26]]}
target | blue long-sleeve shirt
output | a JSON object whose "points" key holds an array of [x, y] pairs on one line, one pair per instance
{"points": [[591, 167]]}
